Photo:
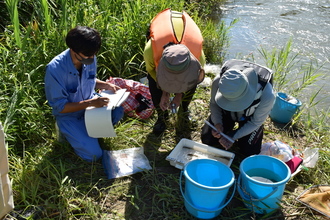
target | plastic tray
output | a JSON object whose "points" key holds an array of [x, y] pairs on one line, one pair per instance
{"points": [[187, 150]]}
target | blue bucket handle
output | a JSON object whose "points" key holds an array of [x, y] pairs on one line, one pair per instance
{"points": [[205, 210], [253, 199]]}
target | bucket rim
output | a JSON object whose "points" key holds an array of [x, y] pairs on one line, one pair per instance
{"points": [[285, 180], [229, 184], [298, 104]]}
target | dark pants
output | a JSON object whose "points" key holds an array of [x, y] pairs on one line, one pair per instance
{"points": [[248, 145], [156, 95]]}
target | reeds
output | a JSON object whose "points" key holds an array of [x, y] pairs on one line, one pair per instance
{"points": [[47, 173]]}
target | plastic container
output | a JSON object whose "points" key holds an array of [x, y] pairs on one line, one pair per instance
{"points": [[284, 108], [187, 150], [261, 182], [207, 183]]}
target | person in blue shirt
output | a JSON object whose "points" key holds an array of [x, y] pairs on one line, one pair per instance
{"points": [[70, 84]]}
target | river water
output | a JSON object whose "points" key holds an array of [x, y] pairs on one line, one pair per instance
{"points": [[271, 23]]}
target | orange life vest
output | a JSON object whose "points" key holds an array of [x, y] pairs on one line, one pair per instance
{"points": [[162, 33]]}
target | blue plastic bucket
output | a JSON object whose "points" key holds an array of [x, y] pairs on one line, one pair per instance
{"points": [[261, 182], [283, 110], [207, 183]]}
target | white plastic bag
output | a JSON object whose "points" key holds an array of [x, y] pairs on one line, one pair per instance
{"points": [[124, 162], [311, 156], [277, 149]]}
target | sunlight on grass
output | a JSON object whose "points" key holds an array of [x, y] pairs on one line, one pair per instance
{"points": [[46, 173]]}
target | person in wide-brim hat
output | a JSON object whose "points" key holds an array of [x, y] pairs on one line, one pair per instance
{"points": [[237, 89], [241, 101], [178, 70]]}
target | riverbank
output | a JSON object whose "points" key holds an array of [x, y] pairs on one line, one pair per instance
{"points": [[47, 174], [272, 24]]}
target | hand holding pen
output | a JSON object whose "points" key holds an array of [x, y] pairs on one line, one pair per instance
{"points": [[100, 101], [224, 139]]}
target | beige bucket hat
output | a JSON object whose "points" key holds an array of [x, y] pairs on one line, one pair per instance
{"points": [[178, 70]]}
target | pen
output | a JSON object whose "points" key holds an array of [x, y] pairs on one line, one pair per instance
{"points": [[98, 94], [222, 134]]}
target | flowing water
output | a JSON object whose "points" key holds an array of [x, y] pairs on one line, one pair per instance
{"points": [[271, 23]]}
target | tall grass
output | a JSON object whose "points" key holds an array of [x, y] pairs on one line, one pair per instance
{"points": [[309, 127], [13, 12], [42, 170], [31, 41], [46, 174], [298, 79], [289, 73]]}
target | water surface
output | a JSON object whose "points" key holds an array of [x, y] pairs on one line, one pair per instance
{"points": [[271, 23]]}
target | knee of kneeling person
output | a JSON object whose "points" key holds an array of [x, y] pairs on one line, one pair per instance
{"points": [[91, 156], [117, 114]]}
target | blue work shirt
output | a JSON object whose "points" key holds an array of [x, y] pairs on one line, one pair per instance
{"points": [[63, 84]]}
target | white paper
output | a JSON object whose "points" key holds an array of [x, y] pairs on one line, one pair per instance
{"points": [[99, 123], [116, 99], [98, 120]]}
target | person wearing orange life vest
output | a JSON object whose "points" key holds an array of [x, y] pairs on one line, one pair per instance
{"points": [[174, 60]]}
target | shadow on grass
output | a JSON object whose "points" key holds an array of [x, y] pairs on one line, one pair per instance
{"points": [[158, 196], [73, 188]]}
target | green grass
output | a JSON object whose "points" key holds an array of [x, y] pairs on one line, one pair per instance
{"points": [[48, 176]]}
